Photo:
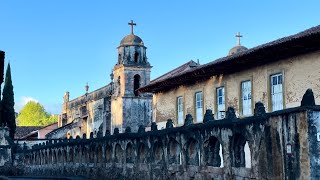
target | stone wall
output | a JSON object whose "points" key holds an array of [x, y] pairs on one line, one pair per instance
{"points": [[6, 149], [276, 144], [314, 143]]}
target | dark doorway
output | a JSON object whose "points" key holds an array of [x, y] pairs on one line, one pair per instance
{"points": [[136, 84]]}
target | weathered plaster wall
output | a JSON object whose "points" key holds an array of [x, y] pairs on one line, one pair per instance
{"points": [[126, 74], [42, 132], [299, 73], [71, 108], [129, 109], [117, 113], [137, 111], [62, 131], [93, 121], [85, 114]]}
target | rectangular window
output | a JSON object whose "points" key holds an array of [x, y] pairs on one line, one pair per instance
{"points": [[246, 98], [180, 109], [220, 103], [276, 92], [198, 106]]}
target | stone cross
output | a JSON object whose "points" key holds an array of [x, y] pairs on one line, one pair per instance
{"points": [[132, 24], [238, 36]]}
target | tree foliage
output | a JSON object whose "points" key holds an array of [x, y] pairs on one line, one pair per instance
{"points": [[34, 114], [8, 113]]}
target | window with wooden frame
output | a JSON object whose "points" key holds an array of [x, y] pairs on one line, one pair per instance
{"points": [[246, 98], [220, 99], [276, 90], [198, 106], [180, 109]]}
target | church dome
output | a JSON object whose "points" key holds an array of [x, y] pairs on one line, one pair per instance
{"points": [[131, 39], [237, 49]]}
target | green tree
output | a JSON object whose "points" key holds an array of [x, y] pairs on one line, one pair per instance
{"points": [[8, 114], [34, 114]]}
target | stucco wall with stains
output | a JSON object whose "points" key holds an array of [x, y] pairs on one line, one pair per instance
{"points": [[299, 73]]}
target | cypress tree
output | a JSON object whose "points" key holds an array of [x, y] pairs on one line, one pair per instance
{"points": [[2, 55], [8, 114]]}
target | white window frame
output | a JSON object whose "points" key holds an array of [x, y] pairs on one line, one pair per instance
{"points": [[199, 106], [246, 98], [220, 102], [276, 91], [180, 110]]}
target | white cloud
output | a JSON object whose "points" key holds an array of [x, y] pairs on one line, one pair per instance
{"points": [[52, 108], [23, 101]]}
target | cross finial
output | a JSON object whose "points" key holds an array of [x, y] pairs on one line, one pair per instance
{"points": [[238, 36], [132, 24]]}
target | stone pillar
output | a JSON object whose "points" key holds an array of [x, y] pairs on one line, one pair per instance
{"points": [[5, 148], [314, 144], [225, 136]]}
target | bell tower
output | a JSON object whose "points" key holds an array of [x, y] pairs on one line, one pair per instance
{"points": [[132, 71]]}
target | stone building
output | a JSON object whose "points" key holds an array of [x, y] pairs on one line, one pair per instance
{"points": [[116, 104], [245, 143], [276, 73]]}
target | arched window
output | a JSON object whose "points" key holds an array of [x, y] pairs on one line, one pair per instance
{"points": [[119, 58], [142, 153], [240, 151], [136, 57], [70, 155], [119, 85], [213, 152], [118, 154], [136, 84], [174, 156], [158, 152], [99, 154], [129, 153], [192, 155], [108, 152]]}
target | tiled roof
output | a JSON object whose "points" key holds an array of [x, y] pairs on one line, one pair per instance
{"points": [[183, 68], [22, 131], [300, 43]]}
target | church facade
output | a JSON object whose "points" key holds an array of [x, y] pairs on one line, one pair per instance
{"points": [[116, 105]]}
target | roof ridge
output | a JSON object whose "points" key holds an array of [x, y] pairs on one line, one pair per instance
{"points": [[175, 69]]}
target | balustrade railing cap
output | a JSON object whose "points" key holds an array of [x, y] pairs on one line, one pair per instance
{"points": [[208, 116], [154, 126], [308, 98], [169, 124], [231, 114], [188, 120]]}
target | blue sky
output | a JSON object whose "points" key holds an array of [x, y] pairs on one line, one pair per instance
{"points": [[57, 46]]}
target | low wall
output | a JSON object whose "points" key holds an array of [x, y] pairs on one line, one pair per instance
{"points": [[217, 149]]}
